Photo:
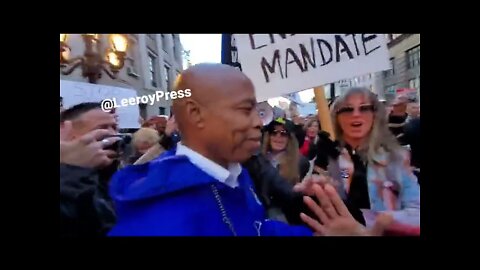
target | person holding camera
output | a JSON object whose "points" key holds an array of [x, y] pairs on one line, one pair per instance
{"points": [[87, 161]]}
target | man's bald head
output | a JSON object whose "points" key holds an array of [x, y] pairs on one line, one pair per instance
{"points": [[206, 82], [220, 114]]}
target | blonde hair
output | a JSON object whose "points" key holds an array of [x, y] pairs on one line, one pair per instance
{"points": [[149, 135], [289, 162], [379, 138]]}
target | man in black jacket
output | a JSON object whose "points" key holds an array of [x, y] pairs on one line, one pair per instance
{"points": [[85, 169]]}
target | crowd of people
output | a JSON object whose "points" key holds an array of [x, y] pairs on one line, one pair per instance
{"points": [[213, 169]]}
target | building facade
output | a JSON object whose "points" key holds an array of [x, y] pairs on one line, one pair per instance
{"points": [[372, 81], [152, 63], [405, 64]]}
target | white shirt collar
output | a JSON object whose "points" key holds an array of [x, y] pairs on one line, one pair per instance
{"points": [[228, 177]]}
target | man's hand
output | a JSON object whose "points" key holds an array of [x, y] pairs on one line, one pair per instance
{"points": [[306, 186], [335, 218], [88, 150]]}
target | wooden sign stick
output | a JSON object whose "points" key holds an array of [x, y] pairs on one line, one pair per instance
{"points": [[323, 111]]}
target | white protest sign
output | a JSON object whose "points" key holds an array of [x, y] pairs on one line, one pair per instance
{"points": [[279, 64], [77, 92]]}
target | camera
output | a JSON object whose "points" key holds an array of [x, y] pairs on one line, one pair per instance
{"points": [[121, 145]]}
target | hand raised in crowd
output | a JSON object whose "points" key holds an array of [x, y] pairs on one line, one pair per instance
{"points": [[86, 151], [171, 126], [335, 219]]}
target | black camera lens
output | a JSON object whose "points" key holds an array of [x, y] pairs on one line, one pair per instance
{"points": [[119, 146]]}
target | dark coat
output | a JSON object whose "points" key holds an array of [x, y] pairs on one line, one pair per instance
{"points": [[85, 206], [274, 190]]}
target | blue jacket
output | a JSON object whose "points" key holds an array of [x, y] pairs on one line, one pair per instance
{"points": [[172, 197]]}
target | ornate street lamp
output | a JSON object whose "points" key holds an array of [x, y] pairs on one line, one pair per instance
{"points": [[94, 59]]}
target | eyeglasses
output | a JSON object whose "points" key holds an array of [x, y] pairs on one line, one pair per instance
{"points": [[282, 133], [361, 109]]}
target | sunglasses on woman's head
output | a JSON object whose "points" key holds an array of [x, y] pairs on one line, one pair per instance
{"points": [[361, 109], [282, 133]]}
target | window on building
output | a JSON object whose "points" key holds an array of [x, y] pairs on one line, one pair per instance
{"points": [[176, 47], [164, 42], [391, 71], [152, 59], [130, 58], [167, 76], [414, 83], [143, 110], [161, 110], [413, 57]]}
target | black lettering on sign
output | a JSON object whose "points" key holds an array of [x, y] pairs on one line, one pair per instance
{"points": [[329, 48], [306, 55], [339, 41], [295, 60], [366, 39], [252, 42], [272, 40], [283, 36], [271, 68], [355, 42]]}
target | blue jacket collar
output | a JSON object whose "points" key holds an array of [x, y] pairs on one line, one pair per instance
{"points": [[167, 174]]}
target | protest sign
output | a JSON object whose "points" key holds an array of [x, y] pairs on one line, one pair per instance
{"points": [[279, 64], [77, 92]]}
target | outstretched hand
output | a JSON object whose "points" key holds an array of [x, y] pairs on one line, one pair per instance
{"points": [[335, 219], [306, 186]]}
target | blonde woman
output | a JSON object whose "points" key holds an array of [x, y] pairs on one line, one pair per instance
{"points": [[374, 169], [369, 169], [281, 148]]}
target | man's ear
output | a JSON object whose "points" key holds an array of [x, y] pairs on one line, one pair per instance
{"points": [[194, 113]]}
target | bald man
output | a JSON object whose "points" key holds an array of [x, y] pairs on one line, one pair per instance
{"points": [[199, 188]]}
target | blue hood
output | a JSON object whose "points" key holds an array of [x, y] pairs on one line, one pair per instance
{"points": [[155, 179]]}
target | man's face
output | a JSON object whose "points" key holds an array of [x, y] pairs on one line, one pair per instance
{"points": [[94, 119], [232, 124], [161, 125], [400, 108], [414, 109]]}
